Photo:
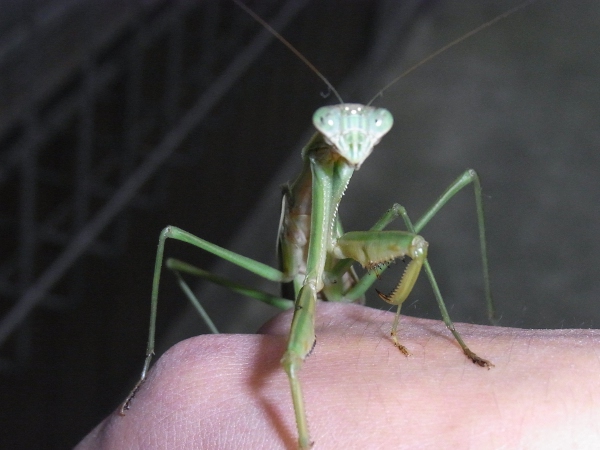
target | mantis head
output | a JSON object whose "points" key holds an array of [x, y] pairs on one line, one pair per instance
{"points": [[353, 129]]}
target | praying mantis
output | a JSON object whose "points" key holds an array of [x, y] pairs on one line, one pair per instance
{"points": [[316, 255]]}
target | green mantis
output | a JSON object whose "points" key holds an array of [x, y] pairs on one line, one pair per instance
{"points": [[316, 255]]}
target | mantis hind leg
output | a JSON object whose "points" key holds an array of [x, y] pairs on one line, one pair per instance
{"points": [[178, 267]]}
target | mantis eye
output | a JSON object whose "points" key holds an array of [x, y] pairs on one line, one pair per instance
{"points": [[381, 121], [327, 120]]}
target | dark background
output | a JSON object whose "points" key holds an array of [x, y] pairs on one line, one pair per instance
{"points": [[90, 90]]}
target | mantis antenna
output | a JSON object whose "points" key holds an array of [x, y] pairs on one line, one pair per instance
{"points": [[291, 47], [449, 45], [433, 55]]}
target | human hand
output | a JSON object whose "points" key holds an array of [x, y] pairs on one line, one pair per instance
{"points": [[229, 391]]}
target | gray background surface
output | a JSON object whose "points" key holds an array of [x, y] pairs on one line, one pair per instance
{"points": [[520, 104]]}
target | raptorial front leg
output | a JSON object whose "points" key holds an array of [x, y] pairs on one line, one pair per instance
{"points": [[373, 248], [367, 280], [300, 343]]}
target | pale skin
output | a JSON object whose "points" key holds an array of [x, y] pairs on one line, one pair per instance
{"points": [[227, 391]]}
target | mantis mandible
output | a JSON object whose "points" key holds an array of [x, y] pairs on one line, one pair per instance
{"points": [[316, 255]]}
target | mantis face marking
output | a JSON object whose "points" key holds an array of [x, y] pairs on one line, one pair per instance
{"points": [[353, 129]]}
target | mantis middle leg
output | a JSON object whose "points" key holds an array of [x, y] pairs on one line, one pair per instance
{"points": [[249, 264], [468, 177]]}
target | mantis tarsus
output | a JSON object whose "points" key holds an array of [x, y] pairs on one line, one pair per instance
{"points": [[316, 255]]}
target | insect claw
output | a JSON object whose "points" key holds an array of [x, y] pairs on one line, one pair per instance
{"points": [[384, 297], [312, 348], [127, 403], [402, 349], [478, 360], [398, 345]]}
